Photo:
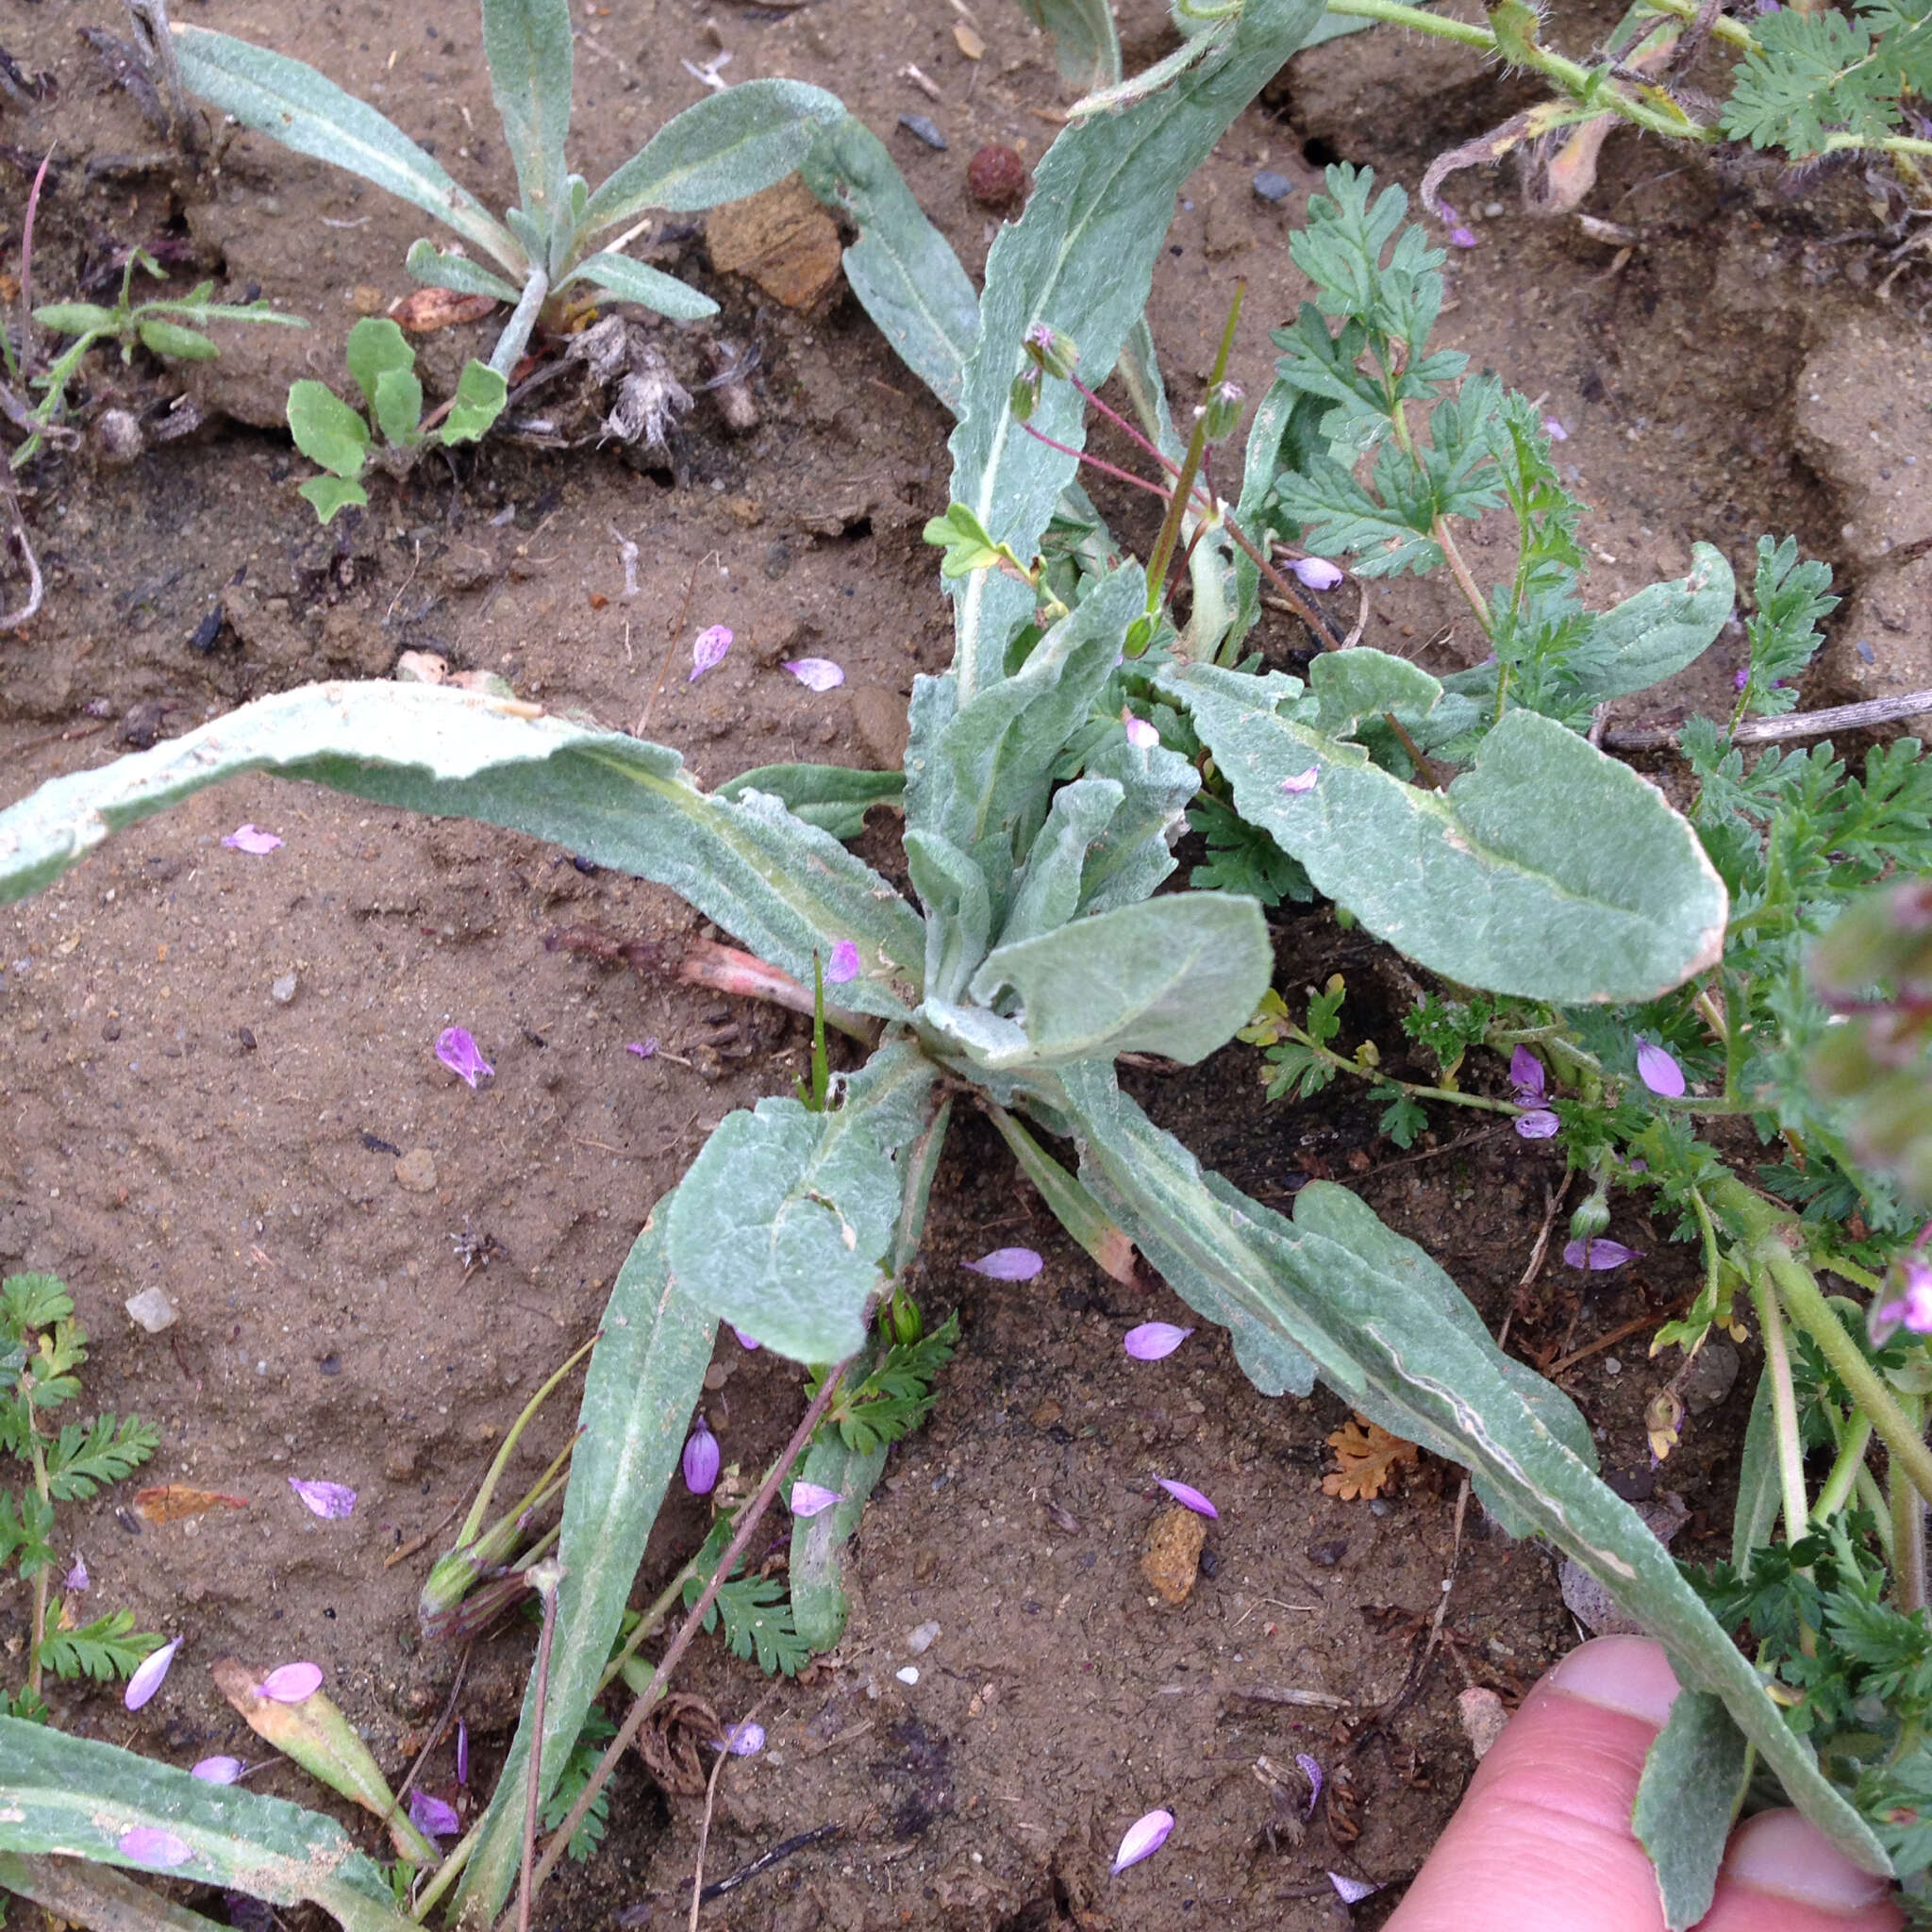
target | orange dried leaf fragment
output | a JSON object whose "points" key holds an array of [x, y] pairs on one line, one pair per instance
{"points": [[1366, 1457], [177, 1503]]}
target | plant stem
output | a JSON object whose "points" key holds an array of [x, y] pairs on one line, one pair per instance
{"points": [[548, 1583], [1343, 1065], [641, 1709], [1784, 1406], [1100, 463], [515, 338], [1127, 429], [1908, 1544], [1184, 483], [1844, 1471], [46, 1570], [1464, 581]]}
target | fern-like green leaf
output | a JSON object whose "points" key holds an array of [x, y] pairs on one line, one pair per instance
{"points": [[82, 1459], [107, 1649]]}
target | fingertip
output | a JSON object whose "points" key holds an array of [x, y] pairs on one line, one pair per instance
{"points": [[1630, 1675], [1782, 1869]]}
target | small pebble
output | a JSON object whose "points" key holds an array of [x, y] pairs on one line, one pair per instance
{"points": [[1491, 209], [920, 126], [1866, 654], [283, 991], [909, 1675], [1273, 187], [919, 1640], [416, 1171], [1483, 1719], [153, 1310], [997, 177], [1612, 1366]]}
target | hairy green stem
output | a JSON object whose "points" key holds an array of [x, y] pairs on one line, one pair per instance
{"points": [[1191, 467], [1784, 1406], [1343, 1065], [1907, 1546], [515, 338], [1845, 1470]]}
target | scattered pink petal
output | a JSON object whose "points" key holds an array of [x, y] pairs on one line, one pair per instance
{"points": [[251, 839], [701, 1460], [1658, 1070], [644, 1049], [1539, 1123], [148, 1844], [816, 674], [76, 1579], [843, 964], [148, 1677], [1352, 1890], [326, 1500], [707, 650], [1140, 734], [1189, 1497], [457, 1050], [218, 1770], [1555, 430], [1153, 1341], [1525, 1075], [1740, 677], [1302, 781], [432, 1817], [743, 1741], [1007, 1264], [291, 1683], [810, 1499], [1598, 1253], [1317, 573], [1459, 237], [1145, 1836], [1311, 1769], [744, 1341]]}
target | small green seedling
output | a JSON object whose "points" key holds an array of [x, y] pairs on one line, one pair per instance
{"points": [[170, 326], [42, 1348], [327, 431]]}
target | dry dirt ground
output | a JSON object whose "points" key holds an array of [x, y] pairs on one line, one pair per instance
{"points": [[169, 1121]]}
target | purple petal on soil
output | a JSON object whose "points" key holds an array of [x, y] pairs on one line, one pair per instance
{"points": [[457, 1050], [327, 1500], [1461, 237], [707, 650], [744, 1739], [744, 1341], [1145, 1836], [251, 839], [148, 1844], [1598, 1253], [218, 1770], [1311, 1769], [1317, 573], [816, 674], [1007, 1264], [701, 1460], [1539, 1123], [642, 1048], [76, 1579], [1658, 1070], [1140, 734], [811, 1499], [432, 1817], [1302, 781], [843, 964], [1555, 430], [1153, 1341], [1189, 1497], [1351, 1890], [462, 1752], [291, 1683], [1527, 1075], [148, 1677]]}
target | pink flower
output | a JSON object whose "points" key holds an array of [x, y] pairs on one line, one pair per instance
{"points": [[1302, 781], [1140, 734], [218, 1770], [701, 1460], [1007, 1264], [432, 1817], [843, 964], [1527, 1077], [1598, 1253], [148, 1844], [1555, 430], [1189, 1497], [1317, 573], [76, 1579], [1153, 1341], [1145, 1836], [1538, 1124], [707, 650], [148, 1677], [251, 839], [327, 1500], [1911, 1308], [291, 1683], [1658, 1070], [457, 1050], [813, 1499], [816, 674]]}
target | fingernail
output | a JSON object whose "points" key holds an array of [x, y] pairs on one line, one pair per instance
{"points": [[1626, 1674], [1779, 1853]]}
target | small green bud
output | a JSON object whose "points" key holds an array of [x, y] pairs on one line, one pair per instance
{"points": [[1591, 1219], [1056, 354], [1025, 394], [1222, 412], [900, 1319]]}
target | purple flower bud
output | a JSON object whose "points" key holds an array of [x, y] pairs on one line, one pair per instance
{"points": [[218, 1770], [1539, 1123], [1740, 677], [843, 964], [1152, 1341], [1317, 573], [644, 1049], [148, 1844], [1007, 1264], [1311, 1769], [1189, 1497], [291, 1683], [251, 839], [701, 1460], [1050, 351], [1302, 781], [462, 1752], [1350, 1891], [432, 1817], [1598, 1253], [1145, 1836], [1658, 1070], [456, 1049], [810, 1499], [1527, 1075], [744, 1341], [326, 1499], [707, 650], [815, 673], [1555, 430], [76, 1579], [743, 1741], [148, 1677], [1140, 734]]}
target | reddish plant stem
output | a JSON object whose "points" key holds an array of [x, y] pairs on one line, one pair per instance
{"points": [[1099, 463], [1125, 427], [725, 969], [26, 268]]}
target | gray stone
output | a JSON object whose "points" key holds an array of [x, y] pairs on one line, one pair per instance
{"points": [[921, 128], [1273, 187]]}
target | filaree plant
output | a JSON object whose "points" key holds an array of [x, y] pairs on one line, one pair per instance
{"points": [[1572, 915]]}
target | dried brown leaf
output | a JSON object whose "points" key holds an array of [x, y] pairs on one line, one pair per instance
{"points": [[1367, 1456]]}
